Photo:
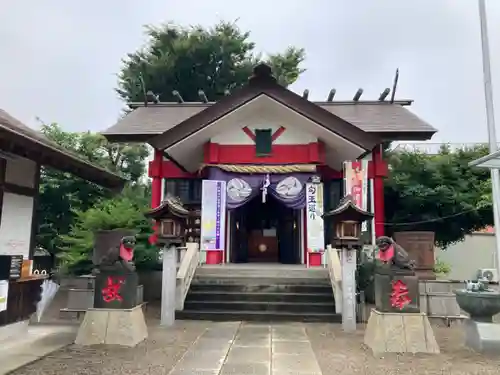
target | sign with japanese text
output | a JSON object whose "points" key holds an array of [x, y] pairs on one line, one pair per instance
{"points": [[314, 220], [4, 294], [116, 290], [399, 295], [356, 184], [213, 215]]}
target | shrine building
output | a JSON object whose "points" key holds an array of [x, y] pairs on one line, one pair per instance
{"points": [[266, 144]]}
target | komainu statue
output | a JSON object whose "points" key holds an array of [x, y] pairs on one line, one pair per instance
{"points": [[394, 255], [114, 251]]}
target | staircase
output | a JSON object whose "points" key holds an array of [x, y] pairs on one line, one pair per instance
{"points": [[261, 292]]}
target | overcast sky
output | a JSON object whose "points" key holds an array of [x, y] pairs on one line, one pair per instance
{"points": [[59, 59]]}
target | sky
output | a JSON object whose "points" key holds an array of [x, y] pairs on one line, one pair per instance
{"points": [[59, 59]]}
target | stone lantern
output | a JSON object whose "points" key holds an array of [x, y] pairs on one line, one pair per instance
{"points": [[346, 221], [171, 217]]}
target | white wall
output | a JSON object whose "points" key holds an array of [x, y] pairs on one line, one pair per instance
{"points": [[15, 226], [466, 257], [290, 136]]}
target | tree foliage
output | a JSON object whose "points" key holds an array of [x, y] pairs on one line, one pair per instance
{"points": [[439, 193], [62, 193], [188, 59], [125, 211]]}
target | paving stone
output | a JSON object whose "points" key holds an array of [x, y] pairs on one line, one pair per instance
{"points": [[212, 344], [205, 355], [248, 355], [292, 347], [245, 369], [193, 372], [220, 334], [293, 362], [289, 334], [252, 341]]}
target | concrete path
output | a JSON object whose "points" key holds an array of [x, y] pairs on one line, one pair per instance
{"points": [[32, 345], [250, 349]]}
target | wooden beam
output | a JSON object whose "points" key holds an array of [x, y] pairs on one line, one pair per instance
{"points": [[178, 96], [384, 94], [358, 95], [331, 95]]}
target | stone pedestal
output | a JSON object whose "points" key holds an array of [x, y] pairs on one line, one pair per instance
{"points": [[349, 290], [169, 279], [481, 336], [400, 333], [126, 327]]}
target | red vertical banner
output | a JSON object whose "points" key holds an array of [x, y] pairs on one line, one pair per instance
{"points": [[356, 184]]}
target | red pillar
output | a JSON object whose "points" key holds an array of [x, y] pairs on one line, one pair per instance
{"points": [[155, 172], [156, 175], [379, 172]]}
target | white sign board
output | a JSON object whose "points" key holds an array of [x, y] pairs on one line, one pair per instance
{"points": [[314, 221], [4, 294], [15, 228], [213, 215]]}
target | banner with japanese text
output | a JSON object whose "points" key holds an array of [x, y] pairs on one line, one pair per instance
{"points": [[356, 184], [314, 220], [213, 215]]}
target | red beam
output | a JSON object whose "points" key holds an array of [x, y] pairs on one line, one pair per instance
{"points": [[278, 133], [281, 154], [248, 132]]}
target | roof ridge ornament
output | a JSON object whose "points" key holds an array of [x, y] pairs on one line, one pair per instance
{"points": [[262, 73]]}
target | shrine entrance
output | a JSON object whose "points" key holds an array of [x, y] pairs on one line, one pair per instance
{"points": [[265, 232]]}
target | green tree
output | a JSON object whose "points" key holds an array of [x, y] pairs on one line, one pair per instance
{"points": [[188, 59], [439, 193], [125, 211], [62, 193]]}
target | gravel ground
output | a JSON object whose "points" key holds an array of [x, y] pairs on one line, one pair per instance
{"points": [[156, 356], [341, 354], [336, 352]]}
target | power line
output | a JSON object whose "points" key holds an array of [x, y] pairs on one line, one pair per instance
{"points": [[430, 220]]}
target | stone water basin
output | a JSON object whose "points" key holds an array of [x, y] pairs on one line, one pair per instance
{"points": [[481, 306]]}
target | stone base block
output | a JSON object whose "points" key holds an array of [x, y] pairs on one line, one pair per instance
{"points": [[482, 337], [400, 333], [126, 327]]}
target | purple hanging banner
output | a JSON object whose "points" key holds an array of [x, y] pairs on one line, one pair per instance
{"points": [[218, 207], [213, 215]]}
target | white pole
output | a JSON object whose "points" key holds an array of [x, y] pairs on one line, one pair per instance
{"points": [[490, 120]]}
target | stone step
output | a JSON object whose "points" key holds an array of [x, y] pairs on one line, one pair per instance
{"points": [[245, 280], [241, 271], [304, 308], [258, 316], [211, 295], [263, 287]]}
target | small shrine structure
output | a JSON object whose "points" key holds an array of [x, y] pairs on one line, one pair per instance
{"points": [[263, 163]]}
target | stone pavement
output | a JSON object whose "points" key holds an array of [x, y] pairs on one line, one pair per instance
{"points": [[244, 348], [37, 342]]}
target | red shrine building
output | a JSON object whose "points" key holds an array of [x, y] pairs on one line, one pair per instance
{"points": [[266, 145]]}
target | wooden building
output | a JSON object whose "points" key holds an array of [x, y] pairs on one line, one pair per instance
{"points": [[264, 134], [23, 151]]}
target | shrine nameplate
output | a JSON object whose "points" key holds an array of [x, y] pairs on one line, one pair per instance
{"points": [[114, 290], [419, 246]]}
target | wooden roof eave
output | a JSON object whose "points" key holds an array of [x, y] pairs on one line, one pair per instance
{"points": [[52, 156], [267, 85]]}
